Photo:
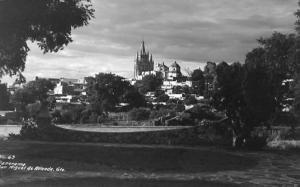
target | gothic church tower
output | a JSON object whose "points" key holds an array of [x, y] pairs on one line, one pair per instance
{"points": [[143, 62]]}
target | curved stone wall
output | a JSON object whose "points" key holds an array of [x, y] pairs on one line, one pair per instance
{"points": [[197, 135]]}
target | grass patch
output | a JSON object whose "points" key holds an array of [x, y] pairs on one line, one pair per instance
{"points": [[96, 158], [106, 182]]}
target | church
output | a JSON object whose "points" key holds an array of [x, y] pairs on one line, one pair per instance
{"points": [[144, 65], [143, 62]]}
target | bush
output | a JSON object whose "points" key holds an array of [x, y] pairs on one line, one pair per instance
{"points": [[163, 98], [180, 108], [190, 100], [56, 116], [139, 114], [202, 112], [66, 117], [162, 112], [93, 118], [29, 129]]}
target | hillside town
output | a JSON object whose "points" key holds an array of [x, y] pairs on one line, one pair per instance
{"points": [[72, 90], [211, 98]]}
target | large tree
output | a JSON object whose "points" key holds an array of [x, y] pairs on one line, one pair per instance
{"points": [[107, 90], [48, 23], [36, 91], [296, 104], [198, 81], [242, 92], [275, 56]]}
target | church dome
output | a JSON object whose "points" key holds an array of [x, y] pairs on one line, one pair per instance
{"points": [[175, 65]]}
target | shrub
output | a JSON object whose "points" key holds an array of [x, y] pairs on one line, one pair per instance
{"points": [[66, 117], [161, 113], [56, 116], [189, 100], [93, 118], [179, 108], [139, 114], [202, 112], [163, 98]]}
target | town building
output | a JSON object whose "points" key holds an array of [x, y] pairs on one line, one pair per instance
{"points": [[143, 62], [171, 75], [144, 65]]}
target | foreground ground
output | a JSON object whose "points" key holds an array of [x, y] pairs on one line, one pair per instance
{"points": [[135, 165]]}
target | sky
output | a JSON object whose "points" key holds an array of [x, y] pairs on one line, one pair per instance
{"points": [[191, 32]]}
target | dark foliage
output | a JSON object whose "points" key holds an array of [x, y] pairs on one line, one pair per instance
{"points": [[139, 114], [149, 83], [32, 92], [163, 98], [198, 82], [134, 98], [47, 22], [190, 100], [200, 112], [107, 90], [4, 95]]}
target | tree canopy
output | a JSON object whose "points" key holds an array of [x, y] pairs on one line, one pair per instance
{"points": [[149, 83], [296, 104], [198, 81], [48, 23], [4, 95], [107, 90], [275, 55], [242, 91], [32, 92]]}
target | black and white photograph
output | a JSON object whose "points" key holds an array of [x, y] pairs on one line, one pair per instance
{"points": [[149, 93]]}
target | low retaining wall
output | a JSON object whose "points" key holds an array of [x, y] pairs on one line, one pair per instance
{"points": [[174, 136], [197, 135]]}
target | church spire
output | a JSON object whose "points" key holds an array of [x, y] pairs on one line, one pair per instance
{"points": [[143, 47]]}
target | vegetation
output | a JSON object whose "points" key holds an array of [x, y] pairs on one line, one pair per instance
{"points": [[253, 94], [296, 58], [149, 83], [139, 114], [33, 92], [181, 90], [163, 98], [4, 95], [198, 81], [107, 90], [49, 23], [190, 100]]}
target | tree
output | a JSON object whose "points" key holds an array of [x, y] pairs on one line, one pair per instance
{"points": [[243, 92], [198, 81], [228, 96], [4, 95], [134, 98], [259, 101], [32, 92], [149, 83], [210, 79], [274, 55], [48, 23], [163, 98], [296, 104], [105, 91], [190, 100]]}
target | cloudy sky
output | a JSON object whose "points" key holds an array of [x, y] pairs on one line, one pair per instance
{"points": [[188, 31]]}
